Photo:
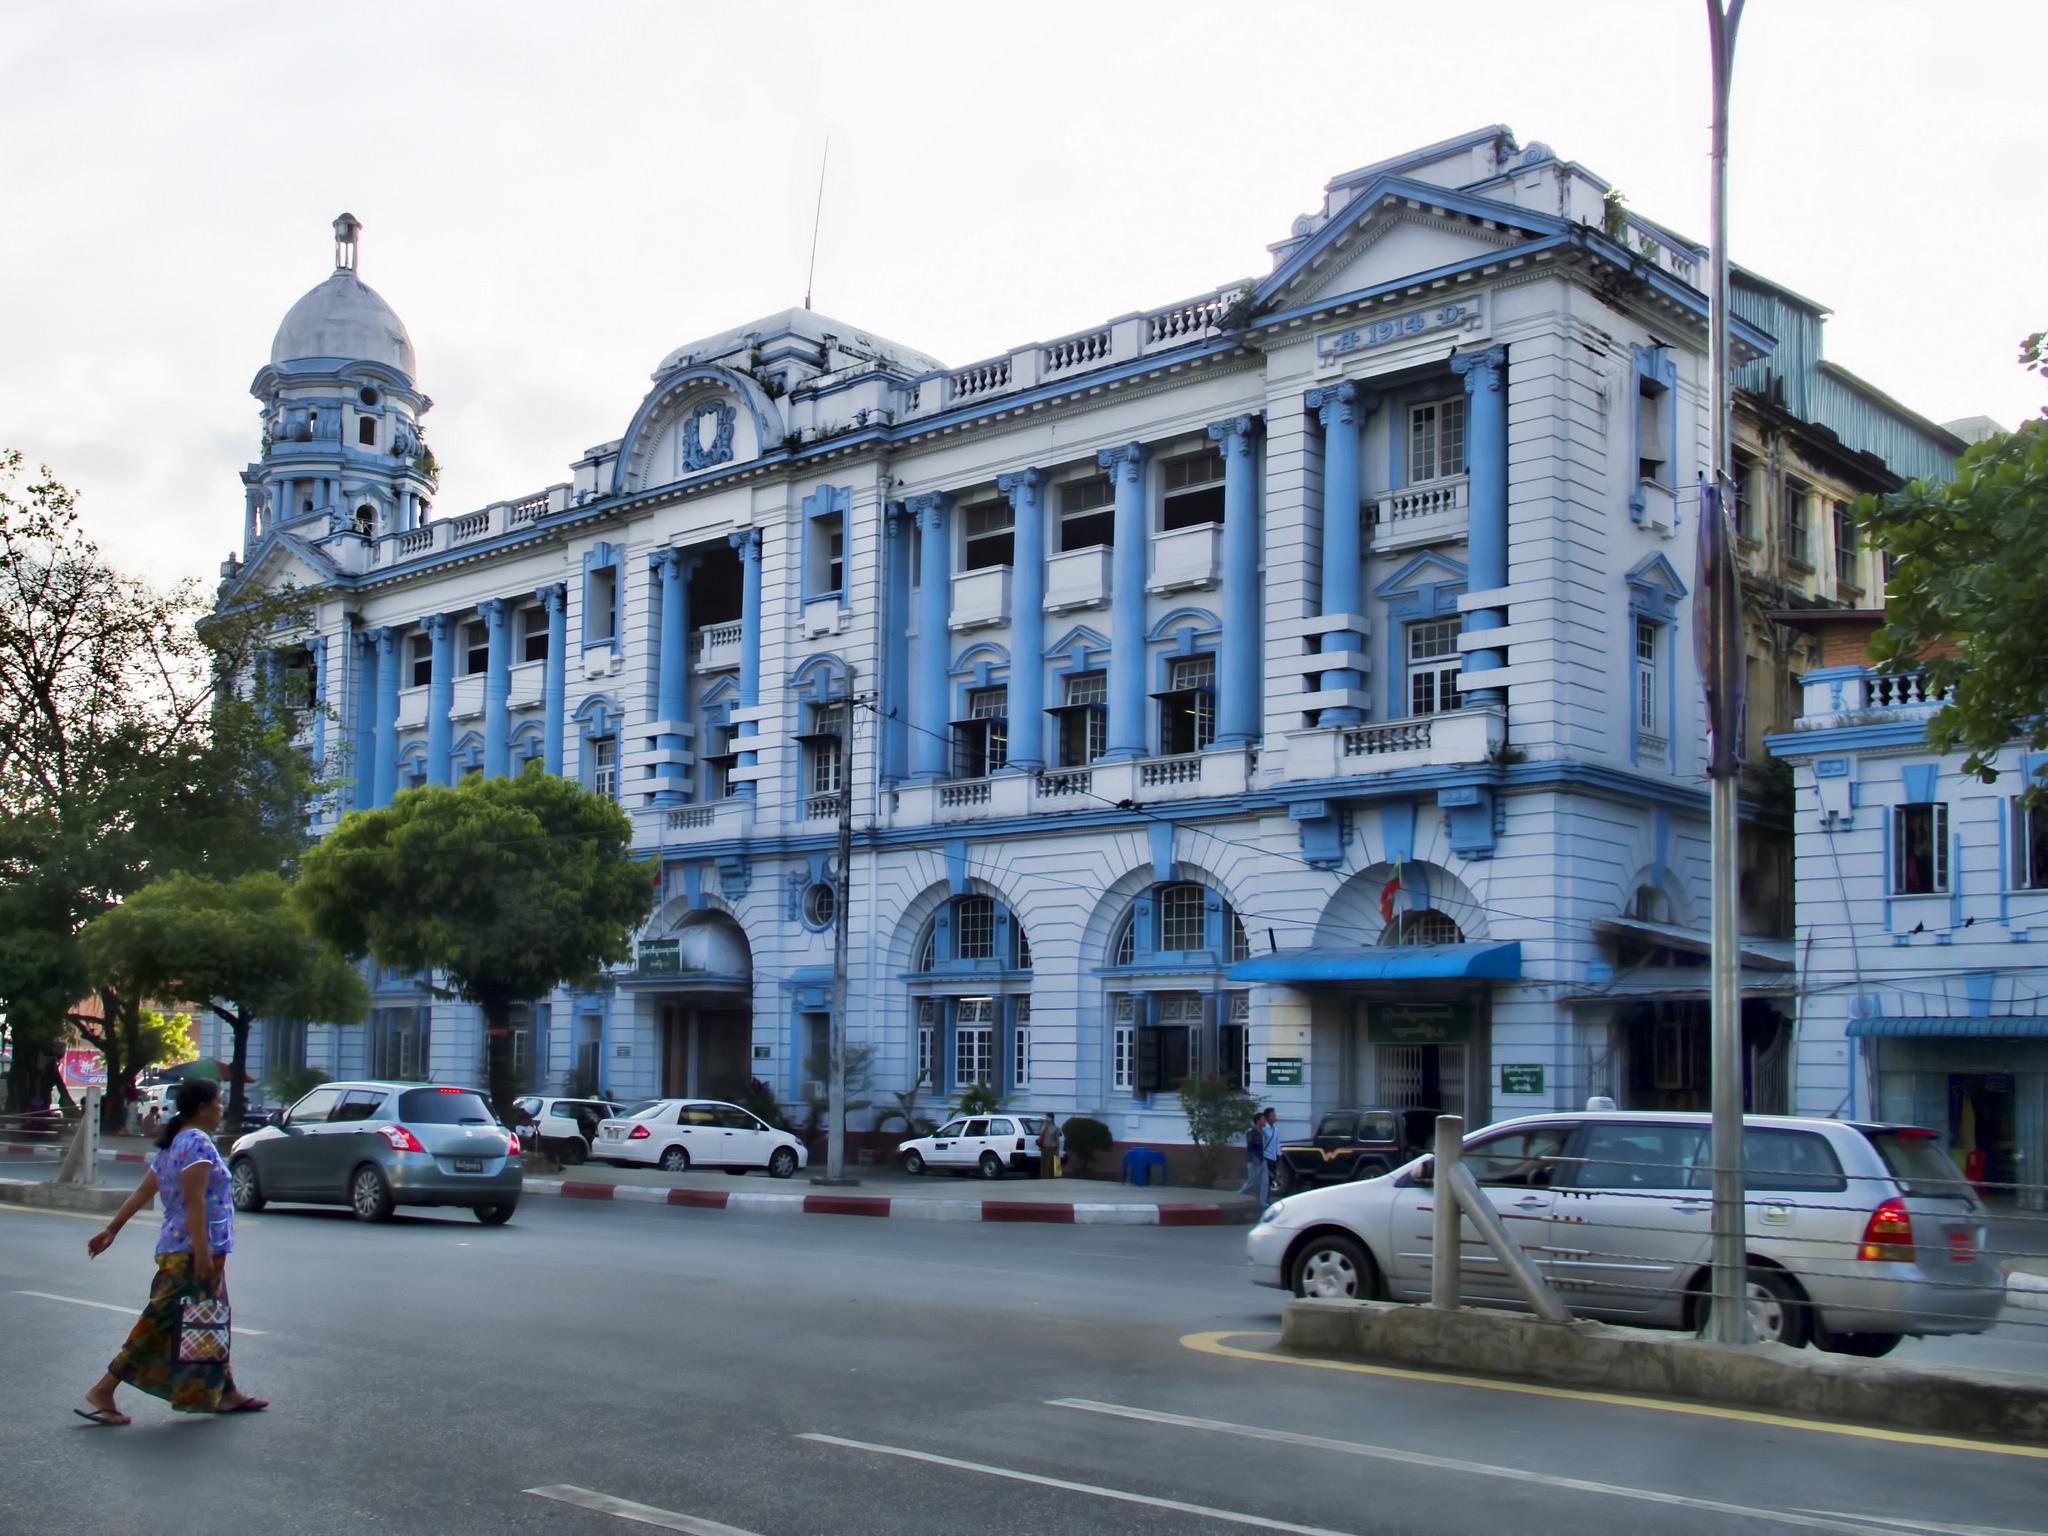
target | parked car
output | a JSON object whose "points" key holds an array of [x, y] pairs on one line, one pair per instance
{"points": [[1353, 1144], [1859, 1233], [567, 1127], [990, 1145], [676, 1134], [374, 1146]]}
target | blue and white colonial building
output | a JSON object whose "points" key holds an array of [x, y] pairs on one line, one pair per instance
{"points": [[1293, 682], [1922, 920]]}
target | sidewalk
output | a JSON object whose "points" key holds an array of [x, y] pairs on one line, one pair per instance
{"points": [[891, 1192]]}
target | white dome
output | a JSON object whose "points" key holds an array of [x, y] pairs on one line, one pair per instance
{"points": [[345, 318]]}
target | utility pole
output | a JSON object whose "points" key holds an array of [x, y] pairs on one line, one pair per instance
{"points": [[842, 899], [1723, 676]]}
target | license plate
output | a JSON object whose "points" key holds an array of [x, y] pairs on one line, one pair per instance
{"points": [[611, 1133], [1962, 1245], [469, 1165]]}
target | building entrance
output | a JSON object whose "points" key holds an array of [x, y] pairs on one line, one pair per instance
{"points": [[705, 1051]]}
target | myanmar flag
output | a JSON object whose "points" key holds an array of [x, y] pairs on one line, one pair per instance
{"points": [[1388, 892]]}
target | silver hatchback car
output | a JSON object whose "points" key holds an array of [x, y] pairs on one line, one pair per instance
{"points": [[375, 1146], [1859, 1234]]}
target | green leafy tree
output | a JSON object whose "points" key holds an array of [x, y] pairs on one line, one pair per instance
{"points": [[235, 947], [859, 1066], [131, 745], [1087, 1139], [1967, 596], [511, 887], [1218, 1115]]}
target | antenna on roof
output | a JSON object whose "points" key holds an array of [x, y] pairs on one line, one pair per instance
{"points": [[817, 217]]}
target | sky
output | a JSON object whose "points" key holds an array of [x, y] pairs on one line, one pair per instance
{"points": [[556, 196]]}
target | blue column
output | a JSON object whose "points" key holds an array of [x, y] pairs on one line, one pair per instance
{"points": [[363, 691], [555, 599], [1237, 672], [895, 700], [387, 713], [497, 616], [930, 723], [440, 695], [1486, 472], [672, 688], [1026, 490], [748, 543], [1341, 409], [318, 646], [1127, 735]]}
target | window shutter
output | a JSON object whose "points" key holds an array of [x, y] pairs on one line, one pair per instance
{"points": [[1146, 1077], [1006, 1047]]}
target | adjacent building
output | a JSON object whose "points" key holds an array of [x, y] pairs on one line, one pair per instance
{"points": [[1292, 682]]}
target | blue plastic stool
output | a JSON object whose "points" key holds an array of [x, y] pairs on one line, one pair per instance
{"points": [[1139, 1163]]}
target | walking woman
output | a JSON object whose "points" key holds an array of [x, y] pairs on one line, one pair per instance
{"points": [[1049, 1148], [178, 1349]]}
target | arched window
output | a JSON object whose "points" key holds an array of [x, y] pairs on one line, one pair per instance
{"points": [[977, 935], [1125, 949], [1649, 905], [1428, 926]]}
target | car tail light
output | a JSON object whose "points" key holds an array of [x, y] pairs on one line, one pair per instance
{"points": [[638, 1133], [513, 1150], [400, 1138], [1888, 1235], [1020, 1143]]}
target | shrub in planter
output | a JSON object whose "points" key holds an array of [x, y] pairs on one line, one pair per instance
{"points": [[1218, 1115], [1087, 1139]]}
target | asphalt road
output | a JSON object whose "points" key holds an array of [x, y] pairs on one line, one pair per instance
{"points": [[779, 1375]]}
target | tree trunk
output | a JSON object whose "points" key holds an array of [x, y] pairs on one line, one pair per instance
{"points": [[498, 1055], [238, 1096]]}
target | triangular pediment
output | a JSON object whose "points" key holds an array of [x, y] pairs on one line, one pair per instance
{"points": [[1391, 230], [1429, 569], [280, 562], [1657, 574]]}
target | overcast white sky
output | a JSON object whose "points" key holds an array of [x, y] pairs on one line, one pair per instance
{"points": [[555, 196]]}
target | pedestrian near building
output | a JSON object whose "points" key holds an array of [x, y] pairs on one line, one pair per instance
{"points": [[1257, 1178], [1049, 1148], [179, 1348], [1269, 1152]]}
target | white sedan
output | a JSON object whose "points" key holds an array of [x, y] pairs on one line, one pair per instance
{"points": [[990, 1145], [677, 1134]]}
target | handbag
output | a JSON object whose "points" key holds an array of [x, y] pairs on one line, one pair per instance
{"points": [[203, 1329]]}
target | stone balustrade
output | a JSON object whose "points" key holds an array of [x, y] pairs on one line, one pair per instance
{"points": [[1457, 738], [1849, 695], [494, 521], [1438, 512], [715, 648]]}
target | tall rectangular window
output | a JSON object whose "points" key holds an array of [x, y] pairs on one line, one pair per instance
{"points": [[1436, 440], [981, 742], [1234, 1040], [604, 766], [1845, 546], [1798, 534], [927, 1041], [2030, 849], [1087, 513], [1181, 911], [1123, 1042], [1193, 489], [974, 1041], [1646, 677], [601, 605], [974, 928], [1173, 1052], [825, 750], [476, 648], [1433, 664], [988, 531], [1020, 1043], [825, 556], [1743, 473], [1084, 719], [1187, 705], [1652, 432], [719, 761], [533, 633], [422, 660], [1919, 849]]}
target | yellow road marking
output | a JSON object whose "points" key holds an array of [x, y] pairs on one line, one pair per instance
{"points": [[1212, 1344], [43, 1210]]}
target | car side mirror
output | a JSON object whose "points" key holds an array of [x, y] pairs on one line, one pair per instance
{"points": [[276, 1119]]}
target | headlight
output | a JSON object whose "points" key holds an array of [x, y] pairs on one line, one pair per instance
{"points": [[1270, 1213]]}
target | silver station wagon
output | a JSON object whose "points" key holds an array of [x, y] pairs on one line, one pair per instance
{"points": [[375, 1146], [1859, 1234]]}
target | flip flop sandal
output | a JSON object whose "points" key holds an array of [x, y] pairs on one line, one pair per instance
{"points": [[104, 1418], [246, 1405]]}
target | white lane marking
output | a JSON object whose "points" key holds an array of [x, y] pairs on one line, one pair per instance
{"points": [[626, 1509], [108, 1306], [1851, 1524], [1231, 1516], [1929, 1525]]}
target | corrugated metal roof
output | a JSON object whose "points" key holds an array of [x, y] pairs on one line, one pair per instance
{"points": [[1953, 1027], [1405, 962]]}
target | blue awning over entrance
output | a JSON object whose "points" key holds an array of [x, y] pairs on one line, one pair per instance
{"points": [[1407, 962], [1952, 1027]]}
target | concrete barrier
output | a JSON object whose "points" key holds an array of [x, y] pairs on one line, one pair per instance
{"points": [[63, 1197], [1656, 1364]]}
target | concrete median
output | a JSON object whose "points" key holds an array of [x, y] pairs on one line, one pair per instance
{"points": [[1673, 1365], [49, 1195]]}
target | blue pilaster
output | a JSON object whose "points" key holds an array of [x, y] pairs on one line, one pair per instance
{"points": [[318, 646], [440, 695], [363, 693], [747, 542], [1126, 466], [1237, 675], [895, 700], [497, 617], [1486, 469], [555, 598], [1341, 409], [386, 641], [929, 720], [672, 691], [1026, 490]]}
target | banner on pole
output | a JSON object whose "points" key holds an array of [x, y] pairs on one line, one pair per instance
{"points": [[1717, 636]]}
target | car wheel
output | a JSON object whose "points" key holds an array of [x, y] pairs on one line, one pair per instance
{"points": [[675, 1160], [1777, 1312], [1333, 1267], [913, 1164], [573, 1152], [991, 1166], [497, 1213], [369, 1196], [782, 1163], [1870, 1346], [1284, 1181], [246, 1186]]}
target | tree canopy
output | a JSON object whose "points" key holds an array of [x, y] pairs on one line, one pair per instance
{"points": [[1967, 594], [509, 886]]}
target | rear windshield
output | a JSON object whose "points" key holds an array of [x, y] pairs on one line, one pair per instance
{"points": [[641, 1111], [1337, 1126], [443, 1106], [1920, 1163]]}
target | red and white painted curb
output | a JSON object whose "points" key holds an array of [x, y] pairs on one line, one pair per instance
{"points": [[1130, 1213], [2028, 1292]]}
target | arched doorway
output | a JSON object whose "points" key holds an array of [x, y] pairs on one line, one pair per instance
{"points": [[695, 971]]}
